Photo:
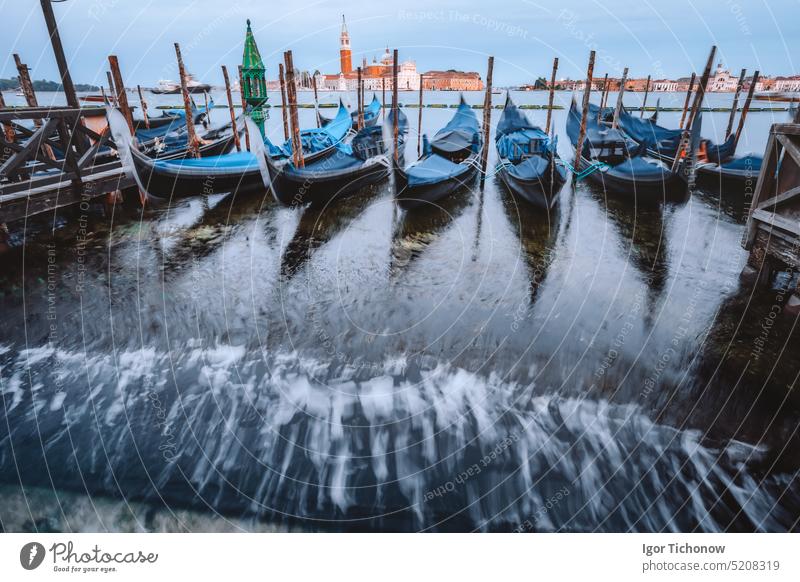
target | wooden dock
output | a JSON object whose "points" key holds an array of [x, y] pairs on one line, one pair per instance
{"points": [[773, 225], [52, 159]]}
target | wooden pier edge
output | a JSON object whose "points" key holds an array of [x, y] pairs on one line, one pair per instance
{"points": [[772, 234]]}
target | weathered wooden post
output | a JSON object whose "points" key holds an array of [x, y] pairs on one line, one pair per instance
{"points": [[111, 89], [745, 109], [395, 104], [316, 98], [585, 112], [686, 101], [191, 137], [383, 97], [618, 108], [359, 97], [735, 104], [552, 95], [419, 122], [58, 50], [644, 101], [244, 108], [207, 116], [700, 93], [122, 96], [231, 110], [696, 104], [254, 73], [284, 104], [26, 85], [487, 117], [291, 92], [143, 103], [603, 97], [8, 129]]}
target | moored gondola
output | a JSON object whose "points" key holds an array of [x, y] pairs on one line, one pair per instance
{"points": [[189, 176], [372, 113], [435, 175], [617, 163], [528, 164]]}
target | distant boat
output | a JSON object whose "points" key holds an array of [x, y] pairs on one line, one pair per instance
{"points": [[167, 87], [19, 92], [497, 92], [94, 98]]}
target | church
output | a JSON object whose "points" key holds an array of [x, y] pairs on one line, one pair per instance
{"points": [[376, 75]]}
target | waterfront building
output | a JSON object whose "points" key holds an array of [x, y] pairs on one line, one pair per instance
{"points": [[664, 85], [722, 81], [452, 81], [786, 84], [375, 75]]}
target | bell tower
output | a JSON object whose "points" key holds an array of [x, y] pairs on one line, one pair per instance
{"points": [[345, 54]]}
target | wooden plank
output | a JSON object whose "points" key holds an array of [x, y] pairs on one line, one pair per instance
{"points": [[33, 144], [775, 200], [764, 185], [790, 147], [776, 220]]}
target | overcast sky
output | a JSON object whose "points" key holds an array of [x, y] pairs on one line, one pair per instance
{"points": [[665, 38]]}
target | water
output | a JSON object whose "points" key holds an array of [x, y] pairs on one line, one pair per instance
{"points": [[228, 363]]}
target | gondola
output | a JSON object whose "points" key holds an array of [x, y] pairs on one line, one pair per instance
{"points": [[456, 139], [621, 164], [718, 167], [363, 161], [162, 126], [372, 113], [434, 175], [528, 163], [219, 173]]}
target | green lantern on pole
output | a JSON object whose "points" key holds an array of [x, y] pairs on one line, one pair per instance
{"points": [[254, 79]]}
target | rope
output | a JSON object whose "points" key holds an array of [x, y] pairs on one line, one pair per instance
{"points": [[593, 167]]}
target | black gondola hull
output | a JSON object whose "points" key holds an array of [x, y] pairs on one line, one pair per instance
{"points": [[541, 192], [411, 196]]}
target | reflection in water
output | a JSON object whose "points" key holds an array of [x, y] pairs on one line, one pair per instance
{"points": [[420, 227]]}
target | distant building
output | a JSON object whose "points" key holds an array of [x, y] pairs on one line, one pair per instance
{"points": [[664, 85], [787, 84], [452, 81], [636, 84], [376, 75], [722, 81]]}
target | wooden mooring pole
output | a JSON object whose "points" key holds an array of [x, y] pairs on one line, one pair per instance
{"points": [[618, 107], [419, 123], [646, 91], [26, 85], [383, 97], [111, 89], [291, 94], [284, 109], [58, 50], [143, 103], [700, 93], [122, 96], [244, 108], [193, 142], [735, 104], [603, 98], [8, 129], [395, 105], [551, 96], [686, 101], [487, 116], [585, 112], [745, 109], [316, 99], [235, 129], [360, 117]]}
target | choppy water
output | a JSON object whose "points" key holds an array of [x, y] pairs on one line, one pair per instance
{"points": [[477, 365]]}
